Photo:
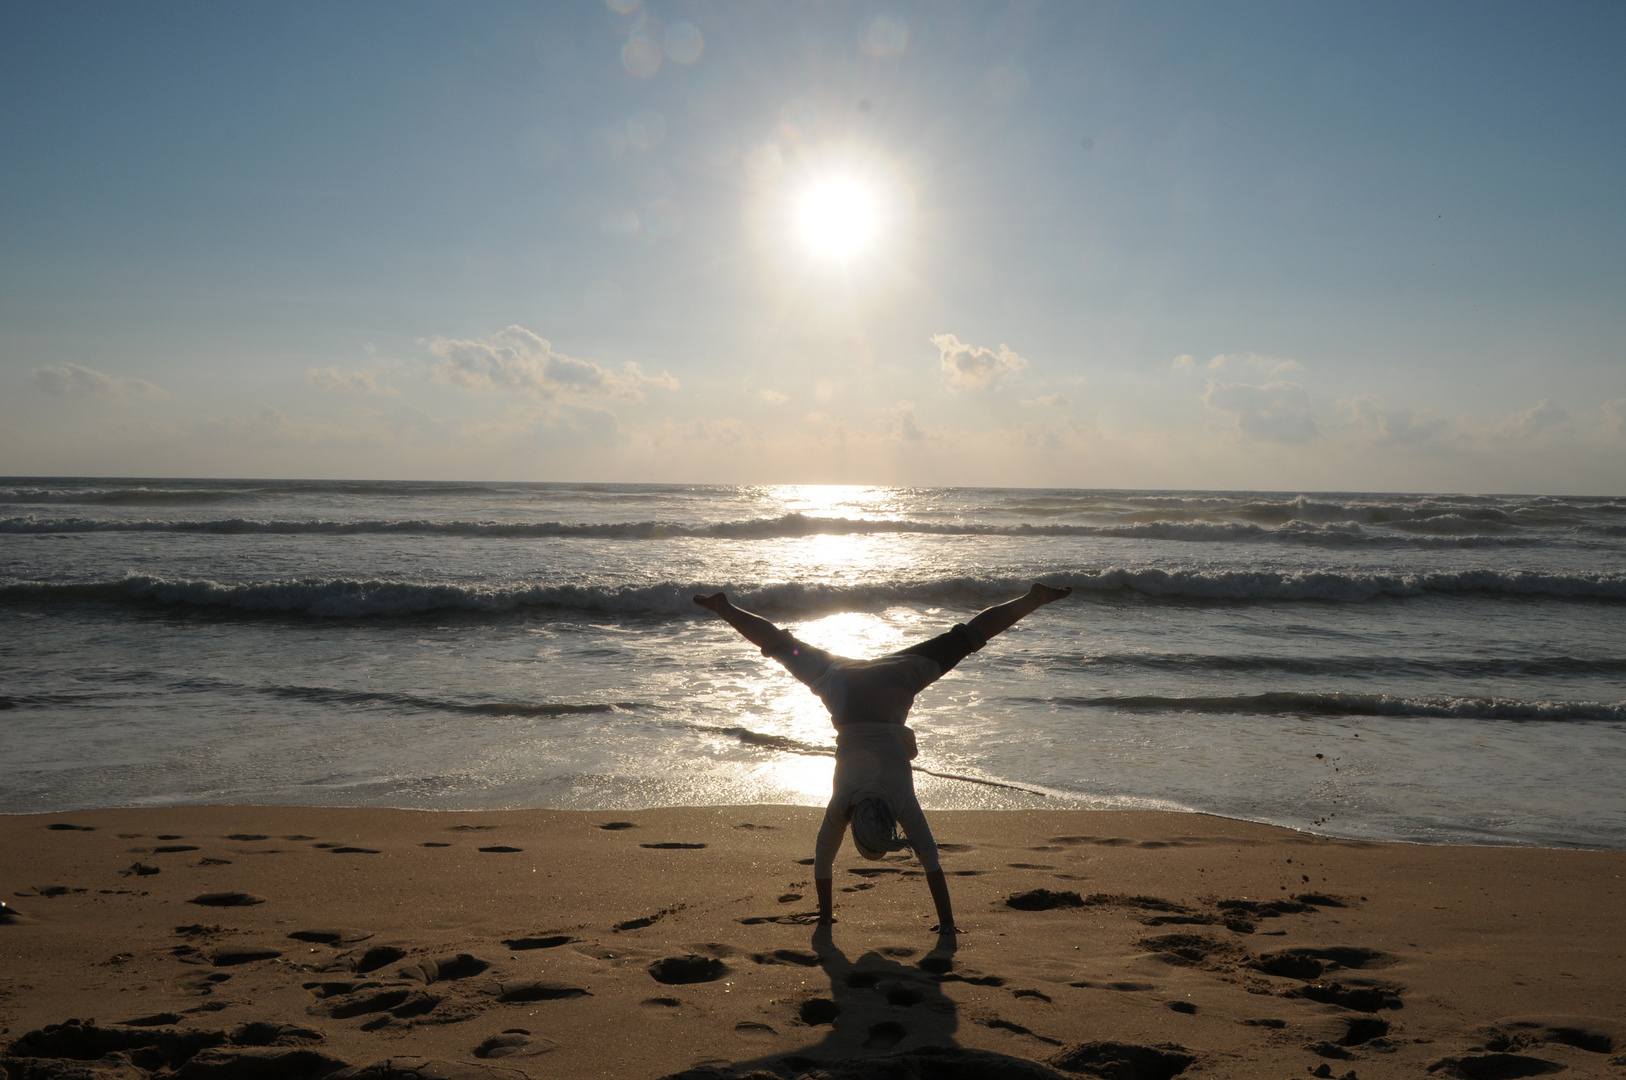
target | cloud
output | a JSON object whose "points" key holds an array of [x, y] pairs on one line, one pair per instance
{"points": [[1386, 425], [1534, 420], [357, 382], [1058, 400], [900, 422], [975, 366], [516, 359], [1275, 412], [1237, 362], [73, 380], [773, 397]]}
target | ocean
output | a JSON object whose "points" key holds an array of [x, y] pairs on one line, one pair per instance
{"points": [[1431, 668]]}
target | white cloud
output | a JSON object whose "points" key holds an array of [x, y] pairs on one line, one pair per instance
{"points": [[1534, 420], [773, 397], [517, 359], [356, 382], [974, 366], [1275, 412], [1058, 400], [74, 380], [1385, 425], [1184, 360], [1240, 362]]}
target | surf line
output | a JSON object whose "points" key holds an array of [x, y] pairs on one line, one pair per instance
{"points": [[791, 746]]}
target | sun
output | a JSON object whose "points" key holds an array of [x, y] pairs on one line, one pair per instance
{"points": [[837, 218]]}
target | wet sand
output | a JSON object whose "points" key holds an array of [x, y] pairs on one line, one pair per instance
{"points": [[288, 941]]}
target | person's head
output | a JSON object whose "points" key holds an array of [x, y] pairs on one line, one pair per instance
{"points": [[875, 828]]}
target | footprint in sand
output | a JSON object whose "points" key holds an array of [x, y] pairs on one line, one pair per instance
{"points": [[374, 958], [163, 1019], [1593, 1034], [63, 826], [1044, 900], [884, 1036], [616, 826], [236, 957], [510, 993], [752, 1032], [496, 849], [904, 997], [434, 843], [1018, 1029], [226, 899], [1124, 1059], [677, 970], [672, 845], [247, 837], [444, 969], [787, 956], [525, 943], [1482, 1066], [816, 1012], [513, 1042], [1370, 998], [172, 849], [332, 935]]}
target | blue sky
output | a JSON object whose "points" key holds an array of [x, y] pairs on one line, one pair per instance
{"points": [[1325, 246]]}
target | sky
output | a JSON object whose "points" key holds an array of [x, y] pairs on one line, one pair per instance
{"points": [[1314, 246]]}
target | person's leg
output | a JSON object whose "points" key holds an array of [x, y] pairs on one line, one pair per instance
{"points": [[1002, 617]]}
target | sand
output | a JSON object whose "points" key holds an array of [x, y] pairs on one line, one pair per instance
{"points": [[293, 942]]}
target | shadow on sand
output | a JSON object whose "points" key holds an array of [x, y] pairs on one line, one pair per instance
{"points": [[887, 1021]]}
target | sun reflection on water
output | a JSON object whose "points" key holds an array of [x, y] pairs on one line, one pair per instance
{"points": [[831, 500]]}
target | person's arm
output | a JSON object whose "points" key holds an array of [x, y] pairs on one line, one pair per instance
{"points": [[1002, 617], [754, 628], [831, 832]]}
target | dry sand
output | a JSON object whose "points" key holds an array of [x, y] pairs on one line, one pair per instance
{"points": [[535, 943]]}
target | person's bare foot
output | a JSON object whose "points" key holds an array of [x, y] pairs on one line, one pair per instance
{"points": [[1045, 594], [716, 602]]}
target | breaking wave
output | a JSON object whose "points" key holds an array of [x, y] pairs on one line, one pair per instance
{"points": [[1345, 704], [1459, 532], [354, 598]]}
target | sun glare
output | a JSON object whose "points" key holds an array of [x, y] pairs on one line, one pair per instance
{"points": [[837, 218]]}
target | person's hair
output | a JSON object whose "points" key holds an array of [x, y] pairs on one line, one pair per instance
{"points": [[875, 828]]}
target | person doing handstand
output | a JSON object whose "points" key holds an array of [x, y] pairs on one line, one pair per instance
{"points": [[874, 789]]}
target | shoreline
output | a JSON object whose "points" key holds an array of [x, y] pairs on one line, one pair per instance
{"points": [[529, 941], [931, 809]]}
